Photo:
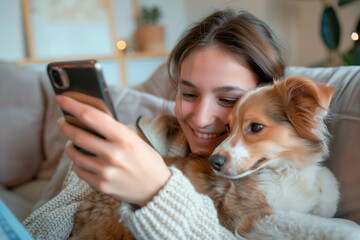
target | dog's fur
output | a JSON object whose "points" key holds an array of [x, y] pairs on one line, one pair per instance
{"points": [[276, 168]]}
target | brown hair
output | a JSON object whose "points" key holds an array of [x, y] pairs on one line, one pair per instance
{"points": [[245, 37]]}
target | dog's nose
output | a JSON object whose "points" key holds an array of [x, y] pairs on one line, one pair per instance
{"points": [[218, 161]]}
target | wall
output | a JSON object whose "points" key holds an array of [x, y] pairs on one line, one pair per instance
{"points": [[295, 22], [310, 47], [12, 45], [173, 18]]}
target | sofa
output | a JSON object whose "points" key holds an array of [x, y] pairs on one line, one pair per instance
{"points": [[32, 162]]}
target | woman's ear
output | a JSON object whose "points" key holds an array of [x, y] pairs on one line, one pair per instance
{"points": [[306, 103]]}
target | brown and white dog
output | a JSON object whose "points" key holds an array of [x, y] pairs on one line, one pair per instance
{"points": [[271, 161]]}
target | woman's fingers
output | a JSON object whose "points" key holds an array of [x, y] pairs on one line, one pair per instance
{"points": [[91, 117], [83, 139], [89, 177], [92, 169], [89, 168], [89, 163]]}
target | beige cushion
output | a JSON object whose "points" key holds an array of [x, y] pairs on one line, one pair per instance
{"points": [[53, 142], [130, 104], [30, 142], [18, 205], [21, 118], [159, 84], [22, 198]]}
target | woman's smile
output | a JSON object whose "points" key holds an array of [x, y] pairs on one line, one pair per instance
{"points": [[204, 142], [208, 135], [208, 138]]}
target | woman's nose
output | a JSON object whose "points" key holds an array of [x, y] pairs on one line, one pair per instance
{"points": [[204, 114]]}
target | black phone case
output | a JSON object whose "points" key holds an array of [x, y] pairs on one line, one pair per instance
{"points": [[83, 81]]}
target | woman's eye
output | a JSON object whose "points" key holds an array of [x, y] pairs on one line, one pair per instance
{"points": [[256, 127], [228, 102], [189, 96]]}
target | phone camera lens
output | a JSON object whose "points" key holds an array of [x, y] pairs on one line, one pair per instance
{"points": [[57, 79]]}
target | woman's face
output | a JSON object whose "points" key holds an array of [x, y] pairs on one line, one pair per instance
{"points": [[211, 82]]}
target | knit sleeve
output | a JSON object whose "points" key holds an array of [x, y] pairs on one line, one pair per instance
{"points": [[297, 226], [54, 219], [177, 212]]}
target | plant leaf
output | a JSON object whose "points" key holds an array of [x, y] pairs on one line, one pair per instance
{"points": [[357, 56], [330, 28], [348, 59], [344, 2]]}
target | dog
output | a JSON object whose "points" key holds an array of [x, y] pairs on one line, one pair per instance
{"points": [[270, 161]]}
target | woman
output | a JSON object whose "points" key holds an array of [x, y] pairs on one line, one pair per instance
{"points": [[216, 61]]}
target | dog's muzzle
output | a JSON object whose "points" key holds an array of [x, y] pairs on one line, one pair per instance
{"points": [[218, 162]]}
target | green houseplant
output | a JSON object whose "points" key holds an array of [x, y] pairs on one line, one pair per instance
{"points": [[150, 15], [331, 32], [352, 57], [150, 33]]}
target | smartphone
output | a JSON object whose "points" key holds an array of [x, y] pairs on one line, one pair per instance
{"points": [[83, 81]]}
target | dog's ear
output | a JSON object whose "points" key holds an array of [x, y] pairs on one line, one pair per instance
{"points": [[306, 103]]}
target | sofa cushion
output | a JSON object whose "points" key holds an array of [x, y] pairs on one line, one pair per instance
{"points": [[53, 142], [159, 84], [21, 199], [21, 117], [18, 205]]}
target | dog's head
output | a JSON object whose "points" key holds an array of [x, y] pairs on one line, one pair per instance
{"points": [[273, 125]]}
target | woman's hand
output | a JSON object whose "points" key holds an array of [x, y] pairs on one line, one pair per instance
{"points": [[125, 166]]}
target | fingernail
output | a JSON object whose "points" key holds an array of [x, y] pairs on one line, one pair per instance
{"points": [[58, 98], [60, 120]]}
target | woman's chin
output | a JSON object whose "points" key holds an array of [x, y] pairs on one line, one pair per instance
{"points": [[203, 151], [205, 147]]}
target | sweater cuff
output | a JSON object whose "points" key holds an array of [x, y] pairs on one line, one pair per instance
{"points": [[177, 212]]}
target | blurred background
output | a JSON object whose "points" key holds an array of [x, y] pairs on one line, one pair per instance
{"points": [[131, 38]]}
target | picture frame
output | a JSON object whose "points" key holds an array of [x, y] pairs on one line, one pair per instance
{"points": [[84, 28]]}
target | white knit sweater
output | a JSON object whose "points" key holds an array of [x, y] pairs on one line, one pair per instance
{"points": [[178, 211]]}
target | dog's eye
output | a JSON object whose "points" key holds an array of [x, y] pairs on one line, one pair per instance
{"points": [[256, 127], [227, 127]]}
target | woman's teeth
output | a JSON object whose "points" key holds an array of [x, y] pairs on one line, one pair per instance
{"points": [[206, 135]]}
